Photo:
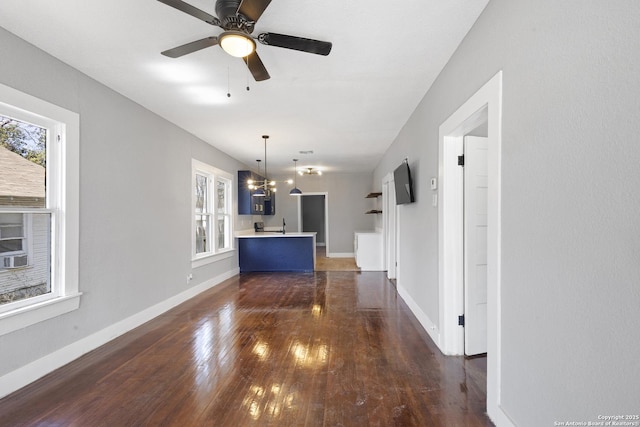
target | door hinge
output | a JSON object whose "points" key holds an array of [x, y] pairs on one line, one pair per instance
{"points": [[461, 320], [461, 160]]}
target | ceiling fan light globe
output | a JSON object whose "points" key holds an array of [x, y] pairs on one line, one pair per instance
{"points": [[236, 43]]}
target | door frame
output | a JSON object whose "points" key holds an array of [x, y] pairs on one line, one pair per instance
{"points": [[326, 215], [484, 106], [389, 221]]}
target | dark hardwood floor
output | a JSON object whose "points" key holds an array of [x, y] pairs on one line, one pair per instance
{"points": [[319, 349]]}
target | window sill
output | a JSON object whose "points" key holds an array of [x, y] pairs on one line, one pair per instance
{"points": [[199, 262], [39, 312]]}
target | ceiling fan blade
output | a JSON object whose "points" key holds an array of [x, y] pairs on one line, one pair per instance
{"points": [[192, 10], [296, 43], [253, 9], [258, 71], [195, 46]]}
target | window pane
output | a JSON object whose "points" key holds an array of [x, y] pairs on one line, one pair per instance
{"points": [[221, 189], [25, 265], [10, 245], [22, 163], [202, 234], [224, 232], [201, 194], [11, 232], [221, 233], [26, 275]]}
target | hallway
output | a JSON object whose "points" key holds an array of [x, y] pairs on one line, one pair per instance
{"points": [[323, 263], [318, 349]]}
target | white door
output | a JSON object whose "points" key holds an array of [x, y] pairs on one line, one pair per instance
{"points": [[475, 245], [390, 229]]}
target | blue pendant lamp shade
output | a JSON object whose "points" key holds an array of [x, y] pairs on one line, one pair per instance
{"points": [[295, 191]]}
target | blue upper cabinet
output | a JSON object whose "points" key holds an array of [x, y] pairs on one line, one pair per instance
{"points": [[248, 204], [244, 194]]}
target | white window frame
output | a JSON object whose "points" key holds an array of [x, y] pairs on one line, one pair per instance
{"points": [[63, 138], [214, 175]]}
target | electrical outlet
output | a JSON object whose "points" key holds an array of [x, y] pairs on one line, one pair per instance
{"points": [[189, 278]]}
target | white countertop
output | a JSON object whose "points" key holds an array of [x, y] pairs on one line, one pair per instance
{"points": [[250, 233]]}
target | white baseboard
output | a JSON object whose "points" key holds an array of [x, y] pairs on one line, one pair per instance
{"points": [[424, 320], [25, 375], [499, 417], [341, 255]]}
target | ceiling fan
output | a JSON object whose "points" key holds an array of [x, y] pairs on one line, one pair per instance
{"points": [[237, 18]]}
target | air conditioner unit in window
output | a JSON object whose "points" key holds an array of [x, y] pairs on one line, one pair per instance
{"points": [[13, 261]]}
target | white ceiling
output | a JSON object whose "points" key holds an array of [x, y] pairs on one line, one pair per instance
{"points": [[347, 107]]}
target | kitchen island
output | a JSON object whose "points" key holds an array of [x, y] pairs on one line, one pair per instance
{"points": [[275, 251]]}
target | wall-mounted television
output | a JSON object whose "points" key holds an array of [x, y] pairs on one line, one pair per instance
{"points": [[403, 184]]}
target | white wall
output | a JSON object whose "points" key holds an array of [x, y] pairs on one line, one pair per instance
{"points": [[135, 204], [570, 179]]}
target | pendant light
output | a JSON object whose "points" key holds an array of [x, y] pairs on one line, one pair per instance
{"points": [[295, 191], [266, 187], [310, 171]]}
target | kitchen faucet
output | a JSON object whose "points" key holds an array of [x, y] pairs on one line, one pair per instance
{"points": [[283, 224]]}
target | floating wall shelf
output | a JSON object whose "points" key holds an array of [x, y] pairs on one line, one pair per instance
{"points": [[374, 195]]}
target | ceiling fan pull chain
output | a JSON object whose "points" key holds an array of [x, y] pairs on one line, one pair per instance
{"points": [[228, 84], [247, 74]]}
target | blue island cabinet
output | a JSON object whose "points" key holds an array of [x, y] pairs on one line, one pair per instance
{"points": [[277, 253]]}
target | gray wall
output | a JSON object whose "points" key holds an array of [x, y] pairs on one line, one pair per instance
{"points": [[570, 179], [135, 203], [347, 206]]}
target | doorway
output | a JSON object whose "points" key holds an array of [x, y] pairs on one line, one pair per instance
{"points": [[313, 215], [484, 106]]}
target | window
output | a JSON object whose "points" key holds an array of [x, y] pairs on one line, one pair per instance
{"points": [[212, 220], [24, 256], [38, 210], [12, 236], [223, 213]]}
